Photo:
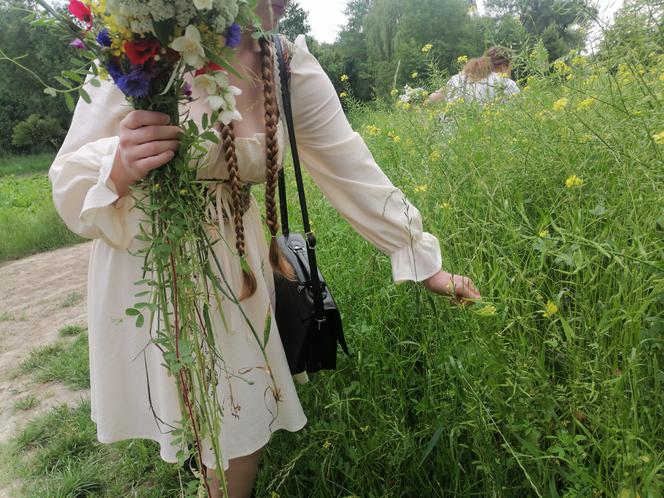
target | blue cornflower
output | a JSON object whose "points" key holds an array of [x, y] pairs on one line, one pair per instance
{"points": [[233, 35], [114, 70], [135, 84], [103, 39]]}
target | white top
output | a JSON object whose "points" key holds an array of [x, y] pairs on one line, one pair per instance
{"points": [[489, 88], [120, 354]]}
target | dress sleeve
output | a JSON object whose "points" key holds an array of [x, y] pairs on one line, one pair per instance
{"points": [[344, 169], [83, 192]]}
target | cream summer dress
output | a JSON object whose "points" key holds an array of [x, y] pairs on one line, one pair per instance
{"points": [[125, 368], [484, 90]]}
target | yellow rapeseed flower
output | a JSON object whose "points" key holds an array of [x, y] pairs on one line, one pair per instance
{"points": [[327, 444], [573, 181], [427, 48], [585, 103], [421, 188], [661, 77], [343, 95], [579, 60], [344, 77], [659, 138], [414, 74], [543, 234], [591, 79], [462, 59], [274, 494], [394, 92], [445, 205], [435, 155], [551, 309], [365, 428], [560, 104]]}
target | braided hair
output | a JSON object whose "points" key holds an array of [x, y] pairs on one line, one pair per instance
{"points": [[277, 260]]}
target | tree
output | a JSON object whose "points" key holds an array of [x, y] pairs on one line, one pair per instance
{"points": [[20, 93], [295, 21], [560, 24]]}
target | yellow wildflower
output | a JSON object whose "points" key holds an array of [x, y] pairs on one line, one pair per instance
{"points": [[488, 310], [503, 75], [372, 130], [543, 234], [551, 309], [421, 188], [445, 205], [591, 79], [585, 103], [573, 181], [560, 66], [427, 48], [394, 92], [274, 494], [414, 74], [560, 104], [579, 60], [327, 444], [659, 138], [395, 138], [343, 95], [661, 77], [404, 105], [365, 428], [462, 59], [435, 155], [344, 77]]}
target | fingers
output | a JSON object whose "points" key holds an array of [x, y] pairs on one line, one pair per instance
{"points": [[149, 163], [137, 119], [152, 149]]}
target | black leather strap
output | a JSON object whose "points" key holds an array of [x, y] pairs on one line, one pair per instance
{"points": [[309, 236]]}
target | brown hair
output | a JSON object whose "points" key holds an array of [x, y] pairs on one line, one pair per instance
{"points": [[481, 67], [277, 260]]}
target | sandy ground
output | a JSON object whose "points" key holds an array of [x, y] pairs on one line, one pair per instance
{"points": [[38, 296]]}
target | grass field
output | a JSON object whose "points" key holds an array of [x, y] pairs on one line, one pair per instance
{"points": [[28, 221], [552, 387]]}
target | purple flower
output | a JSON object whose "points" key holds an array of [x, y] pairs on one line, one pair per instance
{"points": [[233, 35], [103, 39], [135, 84], [186, 89], [77, 43], [115, 71]]}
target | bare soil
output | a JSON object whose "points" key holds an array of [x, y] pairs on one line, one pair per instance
{"points": [[38, 296]]}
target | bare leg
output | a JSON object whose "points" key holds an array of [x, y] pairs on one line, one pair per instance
{"points": [[240, 477]]}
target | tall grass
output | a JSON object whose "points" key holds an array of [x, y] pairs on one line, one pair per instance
{"points": [[552, 387]]}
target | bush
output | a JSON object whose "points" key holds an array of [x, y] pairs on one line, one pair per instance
{"points": [[37, 133]]}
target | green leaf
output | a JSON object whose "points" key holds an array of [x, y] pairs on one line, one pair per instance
{"points": [[84, 95], [63, 82], [163, 30], [431, 444], [73, 76], [95, 82], [132, 312], [214, 57], [69, 101], [267, 327], [140, 320]]}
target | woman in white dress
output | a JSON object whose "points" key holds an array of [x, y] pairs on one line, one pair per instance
{"points": [[482, 79], [109, 147]]}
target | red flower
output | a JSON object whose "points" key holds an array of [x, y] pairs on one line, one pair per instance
{"points": [[141, 51], [81, 12], [209, 67]]}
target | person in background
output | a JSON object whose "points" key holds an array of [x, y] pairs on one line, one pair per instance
{"points": [[482, 79]]}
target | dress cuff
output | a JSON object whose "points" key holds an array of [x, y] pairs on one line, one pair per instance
{"points": [[103, 194], [418, 261]]}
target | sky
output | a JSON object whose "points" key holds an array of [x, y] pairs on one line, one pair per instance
{"points": [[326, 16]]}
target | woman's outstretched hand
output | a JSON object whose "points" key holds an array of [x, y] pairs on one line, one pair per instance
{"points": [[460, 288]]}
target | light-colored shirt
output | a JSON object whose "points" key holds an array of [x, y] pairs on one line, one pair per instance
{"points": [[492, 87]]}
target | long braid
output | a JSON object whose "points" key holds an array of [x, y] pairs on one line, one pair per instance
{"points": [[277, 260], [228, 143]]}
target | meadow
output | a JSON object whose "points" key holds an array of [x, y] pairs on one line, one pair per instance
{"points": [[551, 387], [28, 221]]}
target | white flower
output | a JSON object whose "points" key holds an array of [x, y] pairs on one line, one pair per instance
{"points": [[203, 4], [190, 47], [225, 102], [206, 83]]}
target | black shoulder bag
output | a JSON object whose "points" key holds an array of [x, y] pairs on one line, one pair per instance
{"points": [[307, 317]]}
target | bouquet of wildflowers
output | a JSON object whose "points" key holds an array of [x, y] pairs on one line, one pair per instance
{"points": [[146, 48]]}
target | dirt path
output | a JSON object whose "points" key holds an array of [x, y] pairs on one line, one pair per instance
{"points": [[38, 296]]}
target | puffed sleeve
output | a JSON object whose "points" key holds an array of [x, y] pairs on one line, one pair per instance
{"points": [[344, 169], [83, 192]]}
